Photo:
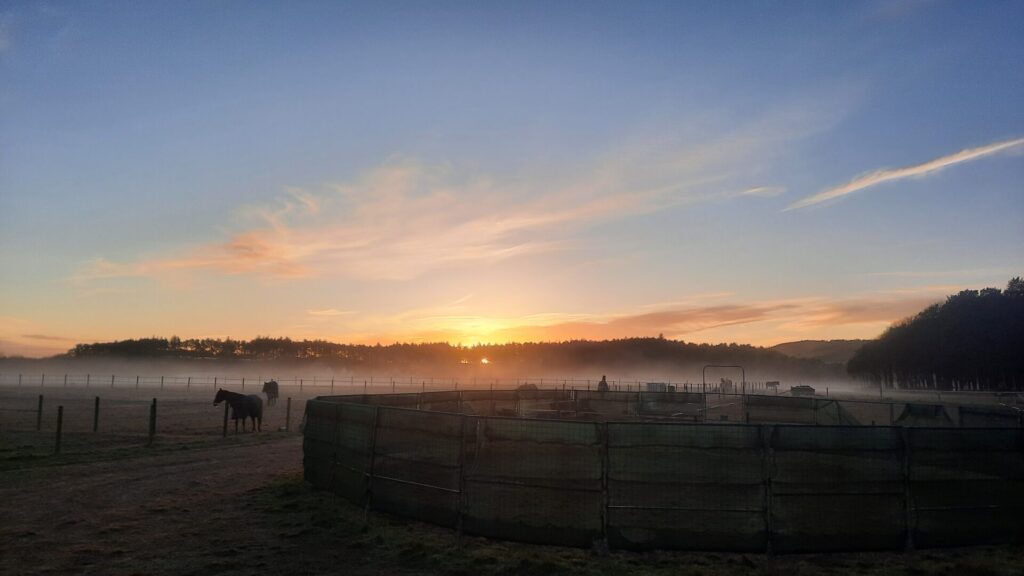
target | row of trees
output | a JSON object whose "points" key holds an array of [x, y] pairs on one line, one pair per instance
{"points": [[611, 355], [972, 341]]}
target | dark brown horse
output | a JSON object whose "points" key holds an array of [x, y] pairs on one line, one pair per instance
{"points": [[270, 389], [242, 406]]}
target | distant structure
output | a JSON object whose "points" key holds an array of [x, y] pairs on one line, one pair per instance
{"points": [[802, 390]]}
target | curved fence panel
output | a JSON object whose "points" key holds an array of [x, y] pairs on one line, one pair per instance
{"points": [[686, 486], [837, 488], [535, 481], [577, 473]]}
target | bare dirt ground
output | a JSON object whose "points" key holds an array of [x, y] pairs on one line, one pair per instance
{"points": [[180, 512], [242, 508]]}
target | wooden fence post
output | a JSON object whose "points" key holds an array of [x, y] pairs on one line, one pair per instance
{"points": [[96, 414], [60, 428], [288, 416], [152, 422], [39, 414], [111, 380], [188, 385]]}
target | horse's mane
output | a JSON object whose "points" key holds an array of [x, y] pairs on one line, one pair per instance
{"points": [[229, 395]]}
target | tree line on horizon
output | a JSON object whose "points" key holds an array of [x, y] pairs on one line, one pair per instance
{"points": [[972, 341], [574, 354]]}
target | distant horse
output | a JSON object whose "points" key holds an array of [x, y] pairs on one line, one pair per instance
{"points": [[270, 389], [242, 406]]}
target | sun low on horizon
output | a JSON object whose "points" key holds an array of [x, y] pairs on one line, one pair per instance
{"points": [[491, 173]]}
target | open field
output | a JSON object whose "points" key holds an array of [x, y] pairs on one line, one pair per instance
{"points": [[196, 503]]}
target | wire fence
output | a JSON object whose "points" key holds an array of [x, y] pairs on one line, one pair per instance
{"points": [[36, 422], [298, 385], [450, 458]]}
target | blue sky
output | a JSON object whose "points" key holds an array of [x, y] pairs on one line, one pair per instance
{"points": [[474, 172]]}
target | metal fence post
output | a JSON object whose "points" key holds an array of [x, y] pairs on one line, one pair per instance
{"points": [[96, 414], [605, 493], [39, 414], [908, 512], [368, 495], [767, 464], [462, 475]]}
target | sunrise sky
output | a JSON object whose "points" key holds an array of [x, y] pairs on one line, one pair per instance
{"points": [[753, 172]]}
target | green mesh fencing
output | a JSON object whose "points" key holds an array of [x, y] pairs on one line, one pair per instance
{"points": [[453, 459], [686, 486], [967, 486], [416, 467], [836, 488], [990, 417], [534, 480]]}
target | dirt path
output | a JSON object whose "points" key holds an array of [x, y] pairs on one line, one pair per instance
{"points": [[171, 513]]}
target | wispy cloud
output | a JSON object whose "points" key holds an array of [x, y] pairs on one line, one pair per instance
{"points": [[761, 322], [764, 191], [331, 312], [881, 176], [46, 337], [404, 218]]}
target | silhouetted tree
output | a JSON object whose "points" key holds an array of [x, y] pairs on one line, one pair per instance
{"points": [[974, 340]]}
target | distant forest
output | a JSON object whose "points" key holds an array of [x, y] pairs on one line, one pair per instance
{"points": [[972, 341], [626, 354]]}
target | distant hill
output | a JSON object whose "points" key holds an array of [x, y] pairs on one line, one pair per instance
{"points": [[620, 357], [828, 351]]}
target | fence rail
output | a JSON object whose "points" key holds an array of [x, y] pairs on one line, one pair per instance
{"points": [[639, 485]]}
